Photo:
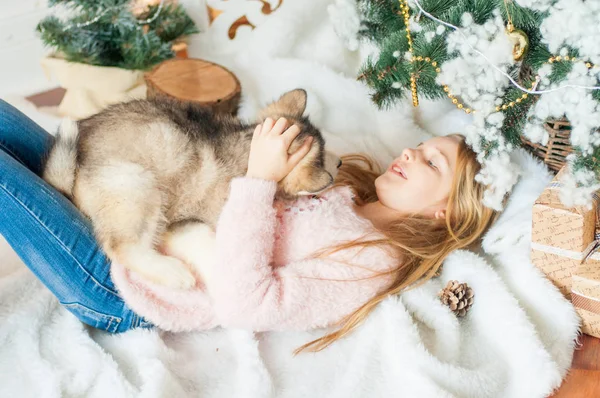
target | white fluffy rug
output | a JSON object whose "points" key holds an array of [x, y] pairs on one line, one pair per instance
{"points": [[517, 340]]}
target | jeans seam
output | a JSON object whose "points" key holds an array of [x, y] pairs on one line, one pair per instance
{"points": [[111, 319], [58, 240], [6, 148]]}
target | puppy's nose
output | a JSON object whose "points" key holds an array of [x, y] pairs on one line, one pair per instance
{"points": [[339, 164]]}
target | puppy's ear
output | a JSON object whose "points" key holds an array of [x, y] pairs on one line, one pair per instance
{"points": [[292, 103]]}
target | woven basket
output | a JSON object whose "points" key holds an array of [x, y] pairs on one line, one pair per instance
{"points": [[559, 146]]}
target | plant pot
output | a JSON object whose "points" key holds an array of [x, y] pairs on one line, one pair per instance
{"points": [[90, 88]]}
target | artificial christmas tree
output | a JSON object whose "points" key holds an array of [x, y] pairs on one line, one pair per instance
{"points": [[513, 65], [104, 48], [117, 33]]}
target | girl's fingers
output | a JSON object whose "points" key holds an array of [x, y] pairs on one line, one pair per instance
{"points": [[266, 126], [257, 131], [279, 127], [300, 153], [290, 134]]}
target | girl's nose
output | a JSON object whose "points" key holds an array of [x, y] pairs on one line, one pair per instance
{"points": [[408, 154]]}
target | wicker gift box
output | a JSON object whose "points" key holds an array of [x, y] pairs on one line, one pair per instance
{"points": [[558, 147]]}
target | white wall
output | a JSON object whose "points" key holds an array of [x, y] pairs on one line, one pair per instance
{"points": [[20, 48]]}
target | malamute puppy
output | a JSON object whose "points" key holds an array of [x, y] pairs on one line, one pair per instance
{"points": [[141, 167]]}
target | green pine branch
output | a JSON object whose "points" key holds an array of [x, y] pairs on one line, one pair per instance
{"points": [[93, 6], [172, 23], [515, 116], [590, 162], [117, 38], [389, 74], [383, 25]]}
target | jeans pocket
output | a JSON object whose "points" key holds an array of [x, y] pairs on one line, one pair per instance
{"points": [[94, 318]]}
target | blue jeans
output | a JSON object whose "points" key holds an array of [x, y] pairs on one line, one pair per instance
{"points": [[49, 234]]}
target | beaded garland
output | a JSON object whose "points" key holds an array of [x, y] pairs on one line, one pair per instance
{"points": [[405, 11], [466, 109]]}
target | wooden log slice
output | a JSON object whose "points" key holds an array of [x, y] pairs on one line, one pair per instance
{"points": [[195, 80]]}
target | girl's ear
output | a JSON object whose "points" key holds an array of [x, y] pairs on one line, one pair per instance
{"points": [[440, 214]]}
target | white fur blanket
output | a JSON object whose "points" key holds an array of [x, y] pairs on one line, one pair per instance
{"points": [[517, 340]]}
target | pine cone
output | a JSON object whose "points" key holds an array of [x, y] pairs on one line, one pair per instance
{"points": [[457, 296]]}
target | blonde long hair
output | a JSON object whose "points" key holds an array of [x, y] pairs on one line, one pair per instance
{"points": [[423, 243]]}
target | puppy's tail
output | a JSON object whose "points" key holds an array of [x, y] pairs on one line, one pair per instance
{"points": [[62, 159]]}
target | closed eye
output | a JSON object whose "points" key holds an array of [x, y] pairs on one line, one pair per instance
{"points": [[432, 165]]}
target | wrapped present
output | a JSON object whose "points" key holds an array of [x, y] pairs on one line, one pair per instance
{"points": [[585, 293], [560, 235]]}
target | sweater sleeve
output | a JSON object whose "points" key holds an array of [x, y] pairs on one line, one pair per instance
{"points": [[250, 293]]}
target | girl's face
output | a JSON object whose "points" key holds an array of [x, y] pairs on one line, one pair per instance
{"points": [[419, 181]]}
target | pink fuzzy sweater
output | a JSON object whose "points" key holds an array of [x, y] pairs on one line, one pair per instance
{"points": [[262, 279]]}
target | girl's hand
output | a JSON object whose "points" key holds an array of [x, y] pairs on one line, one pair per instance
{"points": [[269, 158]]}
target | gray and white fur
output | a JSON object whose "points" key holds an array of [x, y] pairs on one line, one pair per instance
{"points": [[139, 169]]}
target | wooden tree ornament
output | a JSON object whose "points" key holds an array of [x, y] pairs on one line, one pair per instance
{"points": [[195, 80]]}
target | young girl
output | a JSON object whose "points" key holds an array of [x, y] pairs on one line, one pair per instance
{"points": [[315, 262]]}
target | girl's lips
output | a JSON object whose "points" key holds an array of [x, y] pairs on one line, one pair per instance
{"points": [[396, 169]]}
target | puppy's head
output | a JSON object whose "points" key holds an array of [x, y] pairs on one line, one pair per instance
{"points": [[318, 168]]}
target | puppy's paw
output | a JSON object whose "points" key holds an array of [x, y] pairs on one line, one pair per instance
{"points": [[176, 275], [193, 244], [189, 243]]}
